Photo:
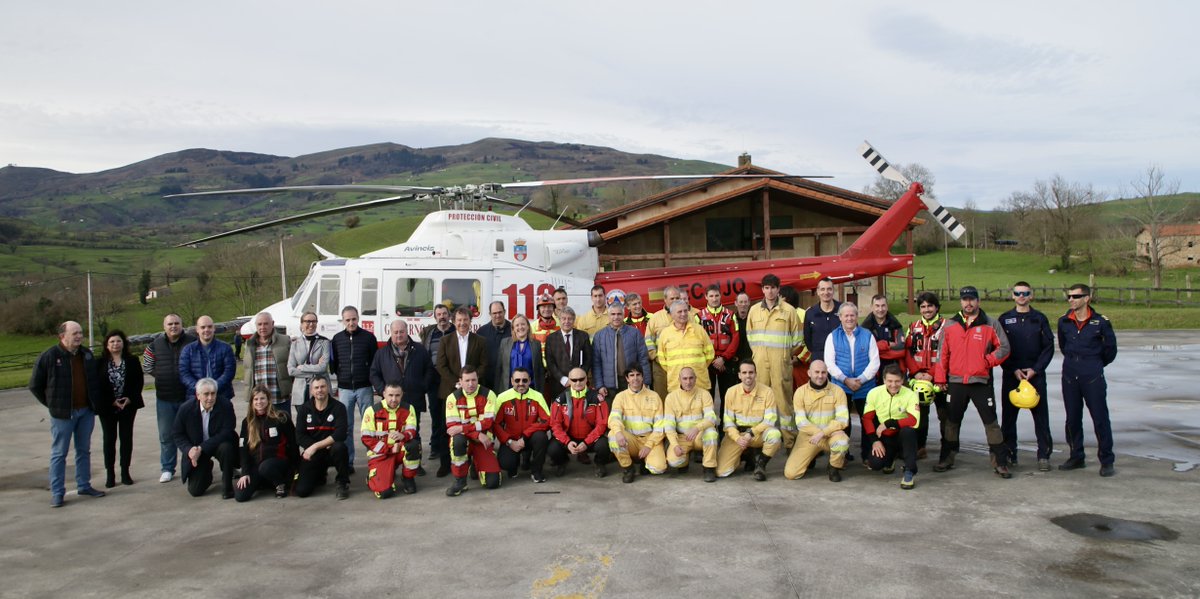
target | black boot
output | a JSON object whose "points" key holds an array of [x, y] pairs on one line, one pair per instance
{"points": [[760, 467], [111, 480], [408, 485], [460, 485], [629, 474], [710, 475], [125, 478], [835, 474]]}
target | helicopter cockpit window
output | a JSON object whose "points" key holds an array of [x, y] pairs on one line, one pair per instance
{"points": [[329, 295], [414, 297], [370, 297], [461, 292]]}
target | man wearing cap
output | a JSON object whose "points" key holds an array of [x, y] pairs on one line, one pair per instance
{"points": [[1088, 344], [595, 319], [972, 345], [1032, 349]]}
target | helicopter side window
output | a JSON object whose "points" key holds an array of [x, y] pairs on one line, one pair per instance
{"points": [[414, 297], [461, 292], [329, 295], [370, 297]]}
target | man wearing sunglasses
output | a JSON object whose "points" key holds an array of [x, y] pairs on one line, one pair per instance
{"points": [[1032, 346], [522, 420], [1088, 344]]}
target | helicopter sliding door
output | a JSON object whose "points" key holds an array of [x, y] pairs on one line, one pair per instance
{"points": [[408, 297]]}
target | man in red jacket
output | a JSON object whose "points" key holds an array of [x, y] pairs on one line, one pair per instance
{"points": [[470, 415], [522, 420], [972, 345], [389, 432], [578, 424], [722, 328]]}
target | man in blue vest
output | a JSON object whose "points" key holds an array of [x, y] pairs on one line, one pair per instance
{"points": [[852, 357]]}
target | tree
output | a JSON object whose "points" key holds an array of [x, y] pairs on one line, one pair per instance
{"points": [[352, 221], [1062, 205], [892, 190], [1152, 213], [144, 287]]}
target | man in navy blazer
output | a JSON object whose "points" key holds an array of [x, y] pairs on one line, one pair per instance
{"points": [[204, 429]]}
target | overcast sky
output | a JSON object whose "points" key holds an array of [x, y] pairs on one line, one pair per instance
{"points": [[990, 99]]}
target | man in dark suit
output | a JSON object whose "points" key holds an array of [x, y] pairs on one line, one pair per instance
{"points": [[456, 352], [566, 348], [204, 429]]}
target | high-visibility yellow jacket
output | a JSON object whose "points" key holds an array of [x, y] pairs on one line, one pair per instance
{"points": [[590, 322], [685, 410], [640, 414], [820, 411], [689, 347], [475, 413], [658, 322], [776, 332], [381, 420], [755, 409], [903, 407]]}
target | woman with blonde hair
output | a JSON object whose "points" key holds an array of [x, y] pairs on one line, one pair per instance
{"points": [[268, 448], [520, 350]]}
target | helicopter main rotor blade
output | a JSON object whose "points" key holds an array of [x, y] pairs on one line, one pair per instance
{"points": [[320, 188], [520, 184], [535, 210], [305, 216]]}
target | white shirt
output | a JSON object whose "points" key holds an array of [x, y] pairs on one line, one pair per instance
{"points": [[831, 359], [462, 348]]}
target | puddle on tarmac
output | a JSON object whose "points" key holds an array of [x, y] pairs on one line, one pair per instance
{"points": [[1168, 347], [1095, 526]]}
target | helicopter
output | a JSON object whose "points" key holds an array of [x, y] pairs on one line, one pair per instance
{"points": [[465, 255]]}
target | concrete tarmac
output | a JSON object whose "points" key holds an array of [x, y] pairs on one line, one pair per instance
{"points": [[962, 533]]}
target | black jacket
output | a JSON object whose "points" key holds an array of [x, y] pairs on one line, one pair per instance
{"points": [[350, 358], [51, 381], [189, 430], [1030, 338], [314, 425], [280, 445], [161, 361], [134, 381], [418, 373]]}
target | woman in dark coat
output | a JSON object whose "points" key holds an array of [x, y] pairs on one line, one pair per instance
{"points": [[121, 381], [268, 446]]}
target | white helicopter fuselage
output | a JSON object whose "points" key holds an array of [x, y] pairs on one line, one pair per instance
{"points": [[454, 258]]}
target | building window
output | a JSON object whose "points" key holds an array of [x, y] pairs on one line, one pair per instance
{"points": [[744, 234]]}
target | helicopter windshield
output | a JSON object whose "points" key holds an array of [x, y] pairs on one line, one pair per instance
{"points": [[295, 301]]}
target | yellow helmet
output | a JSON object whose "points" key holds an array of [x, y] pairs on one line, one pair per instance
{"points": [[1024, 396], [925, 390]]}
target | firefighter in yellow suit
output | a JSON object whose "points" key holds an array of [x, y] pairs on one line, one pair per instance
{"points": [[750, 422], [775, 334], [654, 325], [635, 426], [690, 423], [684, 343], [822, 417]]}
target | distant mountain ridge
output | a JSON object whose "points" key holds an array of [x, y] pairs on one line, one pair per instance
{"points": [[118, 199]]}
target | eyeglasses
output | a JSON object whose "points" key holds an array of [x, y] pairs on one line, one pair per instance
{"points": [[578, 380], [1077, 295], [308, 322], [1022, 293]]}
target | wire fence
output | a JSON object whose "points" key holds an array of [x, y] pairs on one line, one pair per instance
{"points": [[1144, 296]]}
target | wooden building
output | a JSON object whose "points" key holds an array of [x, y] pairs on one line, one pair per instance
{"points": [[731, 220]]}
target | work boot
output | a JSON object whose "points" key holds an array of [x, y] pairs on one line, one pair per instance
{"points": [[343, 491], [584, 458], [460, 485], [1072, 464], [1002, 471], [561, 469], [760, 467], [111, 480], [710, 475], [1044, 465], [601, 469], [420, 471], [629, 475], [835, 474], [443, 470], [945, 464], [408, 485], [1107, 470], [683, 469], [125, 478]]}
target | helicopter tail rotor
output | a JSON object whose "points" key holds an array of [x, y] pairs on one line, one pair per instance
{"points": [[891, 173]]}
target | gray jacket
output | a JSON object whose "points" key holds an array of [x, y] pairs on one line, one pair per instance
{"points": [[281, 347], [307, 361]]}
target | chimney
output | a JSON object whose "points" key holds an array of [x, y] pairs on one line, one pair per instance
{"points": [[744, 160]]}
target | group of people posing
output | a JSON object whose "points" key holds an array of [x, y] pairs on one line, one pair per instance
{"points": [[652, 392]]}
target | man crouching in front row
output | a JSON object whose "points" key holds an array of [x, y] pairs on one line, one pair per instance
{"points": [[470, 414], [822, 418], [389, 431]]}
